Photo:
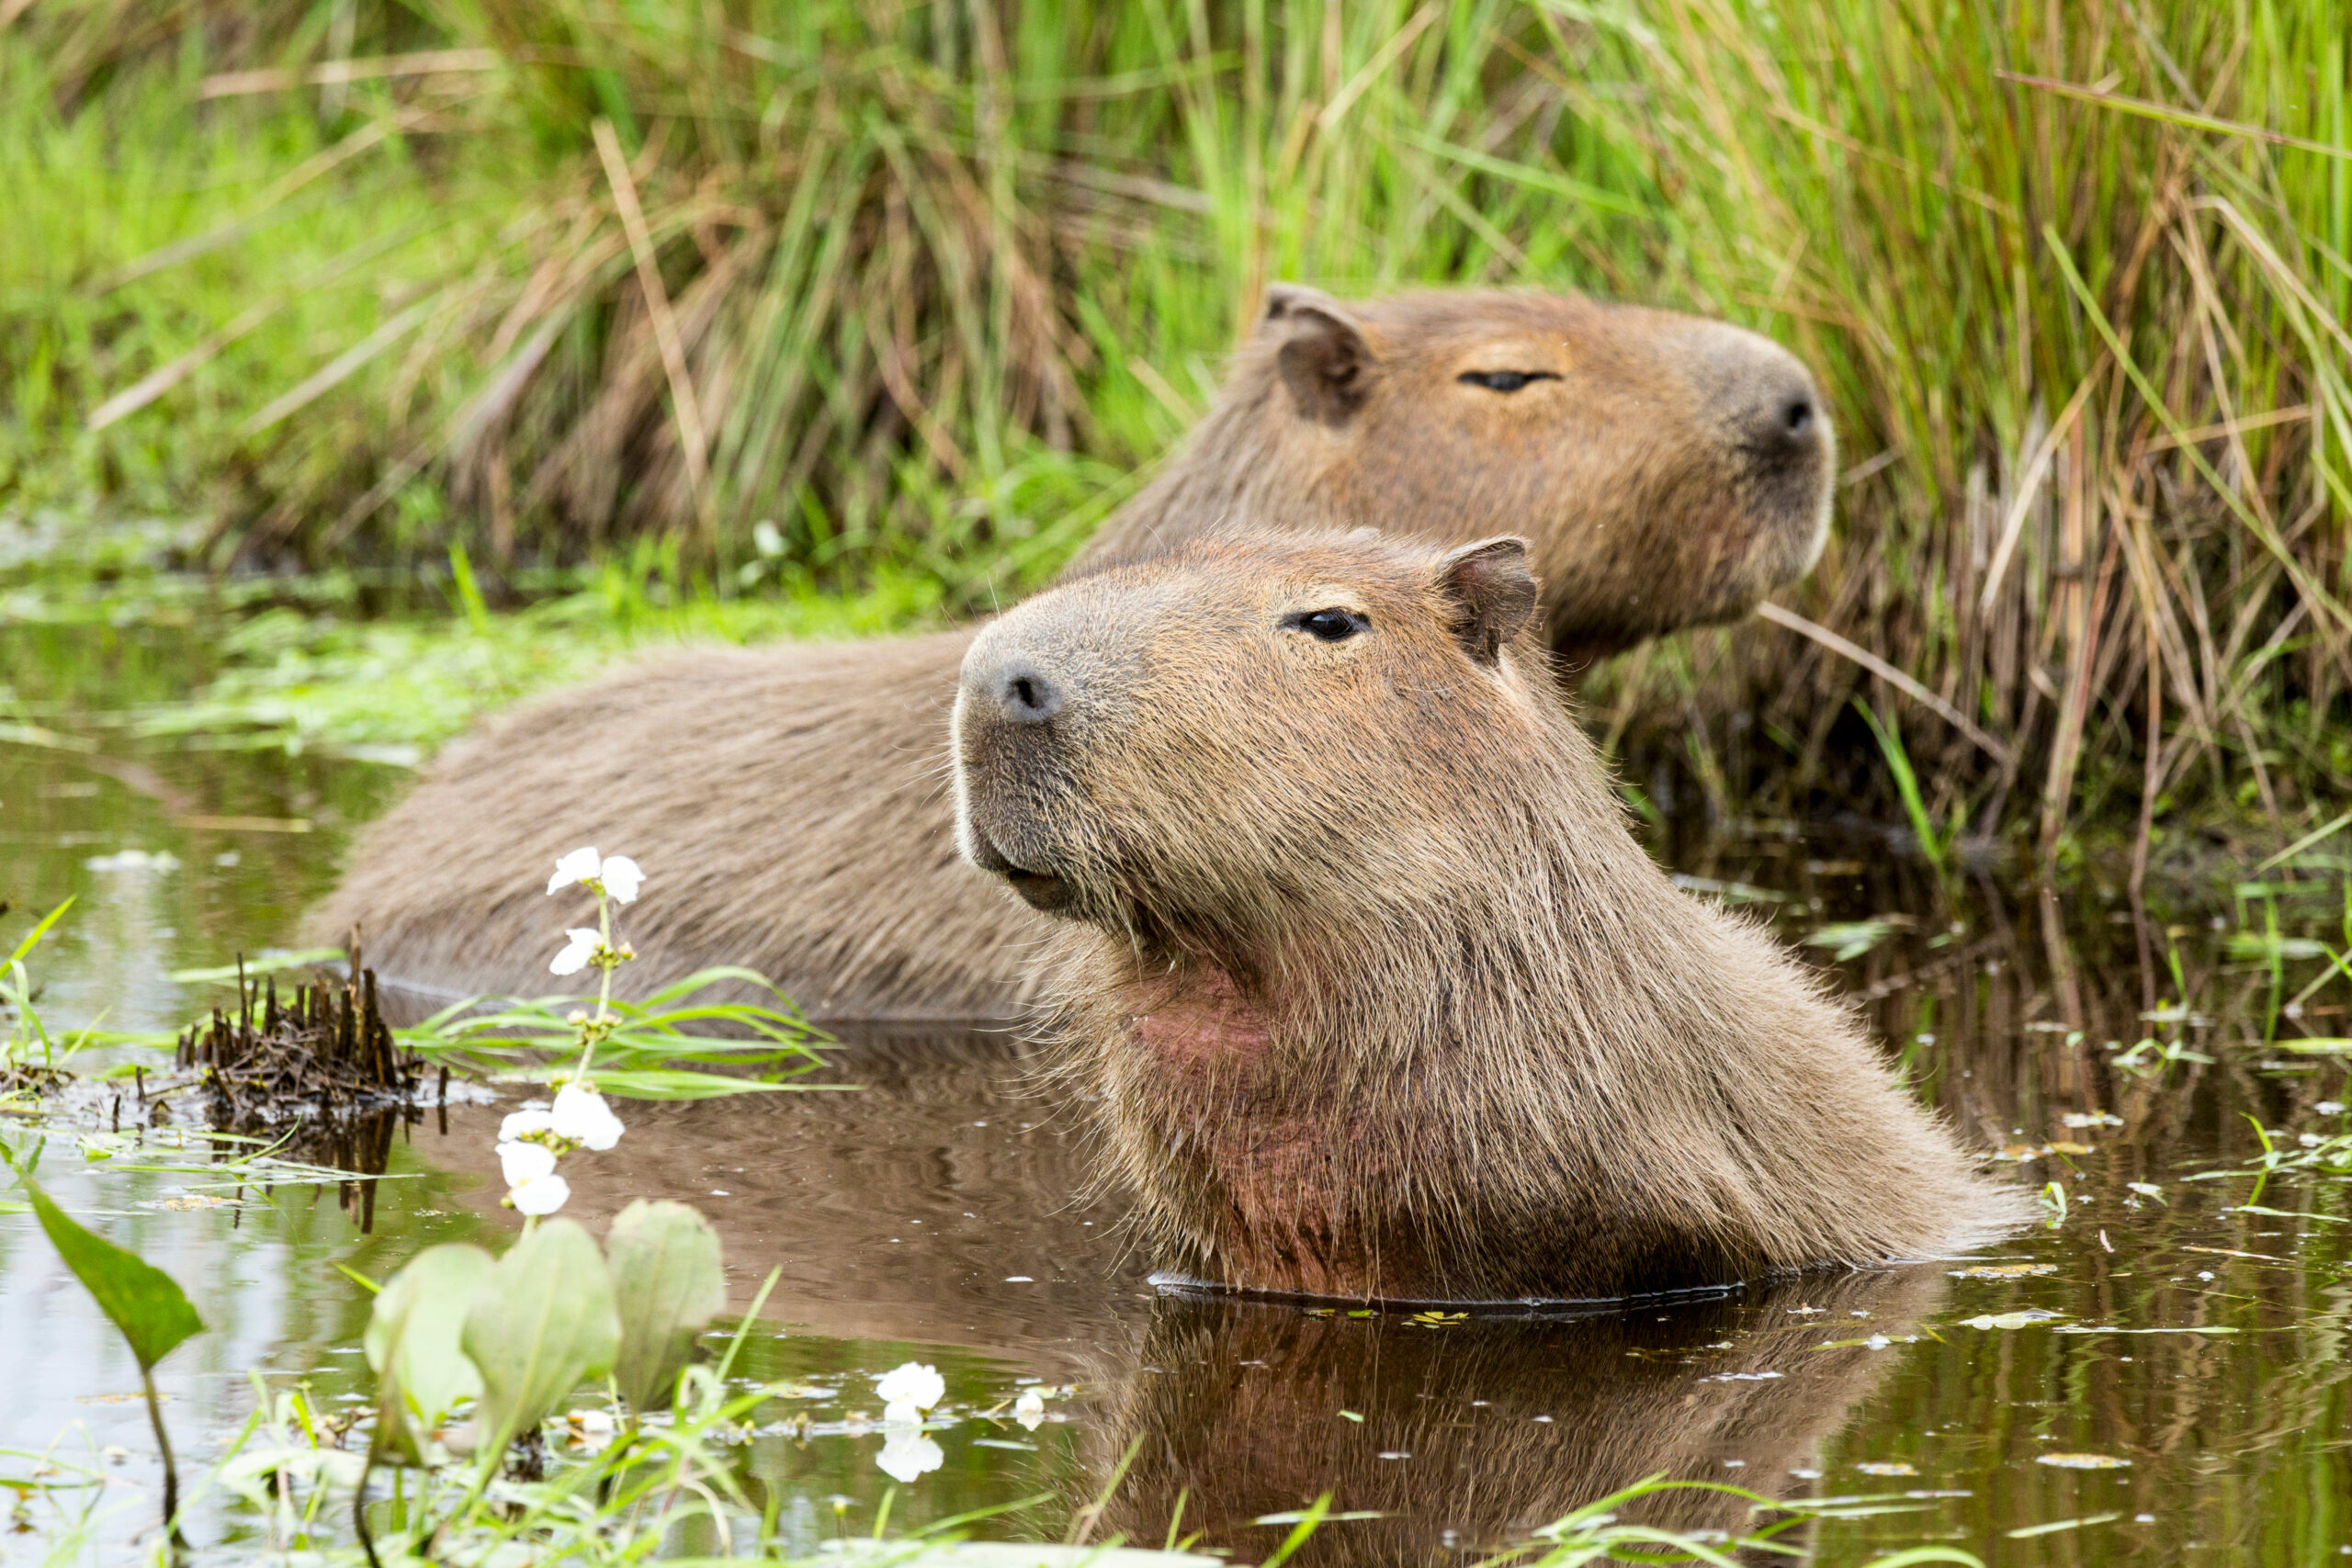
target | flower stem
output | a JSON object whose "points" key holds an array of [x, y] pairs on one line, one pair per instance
{"points": [[604, 986]]}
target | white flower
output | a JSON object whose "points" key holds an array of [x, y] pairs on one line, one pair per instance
{"points": [[577, 952], [621, 878], [581, 1115], [906, 1455], [1030, 1409], [620, 875], [523, 1164], [579, 866], [916, 1385], [523, 1124], [543, 1196]]}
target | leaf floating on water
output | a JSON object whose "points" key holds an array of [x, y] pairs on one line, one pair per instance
{"points": [[2083, 1461], [2072, 1149], [2079, 1119], [2054, 1525], [2026, 1319], [2317, 1047], [1851, 939], [1887, 1467], [2004, 1271], [1439, 1319], [2288, 1213], [2147, 1190], [1735, 892]]}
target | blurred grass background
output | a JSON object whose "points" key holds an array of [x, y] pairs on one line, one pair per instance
{"points": [[801, 299]]}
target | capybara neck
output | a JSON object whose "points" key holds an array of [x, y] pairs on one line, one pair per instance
{"points": [[1372, 989]]}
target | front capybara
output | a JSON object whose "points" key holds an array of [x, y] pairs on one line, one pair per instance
{"points": [[1373, 991], [789, 805]]}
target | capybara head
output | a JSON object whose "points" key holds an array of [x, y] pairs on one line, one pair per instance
{"points": [[1369, 984], [1208, 749], [1667, 470]]}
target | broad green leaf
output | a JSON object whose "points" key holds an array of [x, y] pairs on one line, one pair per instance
{"points": [[668, 1285], [544, 1325], [412, 1345], [140, 1299]]}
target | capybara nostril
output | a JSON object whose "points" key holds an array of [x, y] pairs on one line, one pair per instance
{"points": [[1028, 695], [1778, 416]]}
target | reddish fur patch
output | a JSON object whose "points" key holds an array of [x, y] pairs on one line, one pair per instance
{"points": [[1282, 1218], [1202, 1024]]}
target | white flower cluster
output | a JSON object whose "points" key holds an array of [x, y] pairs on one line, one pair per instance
{"points": [[906, 1392], [531, 1141]]}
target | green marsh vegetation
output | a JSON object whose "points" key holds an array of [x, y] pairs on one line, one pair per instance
{"points": [[831, 298], [918, 290]]}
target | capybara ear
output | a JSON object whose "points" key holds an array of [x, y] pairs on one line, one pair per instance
{"points": [[1324, 358], [1491, 592]]}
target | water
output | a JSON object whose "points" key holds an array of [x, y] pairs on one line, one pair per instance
{"points": [[2158, 1379]]}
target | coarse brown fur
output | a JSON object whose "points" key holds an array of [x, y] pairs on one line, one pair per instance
{"points": [[1372, 990], [789, 805]]}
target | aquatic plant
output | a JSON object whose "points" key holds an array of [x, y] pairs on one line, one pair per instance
{"points": [[29, 1057], [531, 1141], [141, 1300]]}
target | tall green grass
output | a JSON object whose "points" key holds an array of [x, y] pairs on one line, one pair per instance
{"points": [[922, 285]]}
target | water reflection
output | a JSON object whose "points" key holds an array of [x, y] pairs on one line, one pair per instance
{"points": [[1471, 1435], [938, 1202]]}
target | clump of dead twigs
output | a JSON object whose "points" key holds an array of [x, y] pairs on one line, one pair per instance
{"points": [[326, 1048]]}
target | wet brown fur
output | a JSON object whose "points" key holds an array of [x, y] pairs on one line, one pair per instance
{"points": [[1374, 993], [789, 804]]}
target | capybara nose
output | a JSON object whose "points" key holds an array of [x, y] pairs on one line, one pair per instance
{"points": [[1767, 400], [1025, 693], [1787, 429]]}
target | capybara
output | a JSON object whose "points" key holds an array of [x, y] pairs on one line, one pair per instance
{"points": [[1370, 986], [789, 805]]}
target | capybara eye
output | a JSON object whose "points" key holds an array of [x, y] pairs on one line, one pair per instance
{"points": [[1329, 625], [1505, 381]]}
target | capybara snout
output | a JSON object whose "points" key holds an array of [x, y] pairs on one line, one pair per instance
{"points": [[1212, 751]]}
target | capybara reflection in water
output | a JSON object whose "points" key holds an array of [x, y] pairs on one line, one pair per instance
{"points": [[789, 804], [1374, 992], [1472, 1434]]}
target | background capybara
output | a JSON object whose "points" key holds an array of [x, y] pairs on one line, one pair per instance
{"points": [[1372, 989], [789, 804]]}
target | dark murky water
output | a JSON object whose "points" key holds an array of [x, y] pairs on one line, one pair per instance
{"points": [[2158, 1378]]}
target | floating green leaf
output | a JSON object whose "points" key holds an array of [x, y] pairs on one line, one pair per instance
{"points": [[413, 1344], [545, 1323], [142, 1300], [668, 1285]]}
